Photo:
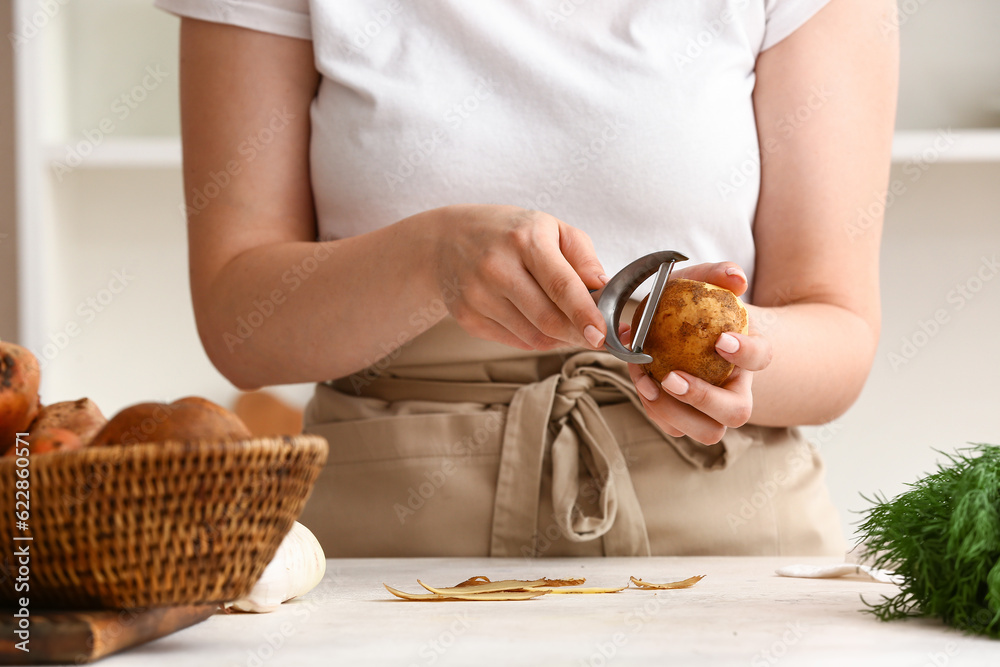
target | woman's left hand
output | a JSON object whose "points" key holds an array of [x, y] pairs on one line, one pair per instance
{"points": [[687, 405]]}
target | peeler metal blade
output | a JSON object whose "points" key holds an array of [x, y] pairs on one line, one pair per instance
{"points": [[617, 293]]}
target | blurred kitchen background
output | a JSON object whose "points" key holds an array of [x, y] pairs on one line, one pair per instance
{"points": [[93, 257]]}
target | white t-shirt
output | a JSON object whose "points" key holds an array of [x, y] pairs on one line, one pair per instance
{"points": [[631, 120]]}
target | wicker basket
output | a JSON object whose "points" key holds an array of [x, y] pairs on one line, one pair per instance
{"points": [[156, 523]]}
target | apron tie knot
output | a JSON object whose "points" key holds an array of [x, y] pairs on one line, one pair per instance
{"points": [[560, 414], [570, 390]]}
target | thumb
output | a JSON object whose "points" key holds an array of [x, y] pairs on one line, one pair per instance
{"points": [[579, 251], [723, 274]]}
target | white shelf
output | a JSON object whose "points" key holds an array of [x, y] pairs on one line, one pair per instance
{"points": [[115, 153], [947, 145], [944, 145]]}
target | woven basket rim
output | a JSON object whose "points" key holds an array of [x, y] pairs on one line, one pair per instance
{"points": [[98, 578], [168, 449]]}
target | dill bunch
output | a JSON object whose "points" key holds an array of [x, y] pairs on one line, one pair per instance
{"points": [[943, 537]]}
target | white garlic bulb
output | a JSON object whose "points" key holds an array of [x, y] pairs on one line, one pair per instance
{"points": [[297, 567]]}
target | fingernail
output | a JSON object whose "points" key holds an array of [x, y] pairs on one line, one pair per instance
{"points": [[603, 278], [625, 334], [648, 388], [728, 343], [593, 335], [736, 271], [675, 384]]}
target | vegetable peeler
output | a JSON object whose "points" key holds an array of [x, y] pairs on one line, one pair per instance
{"points": [[618, 291]]}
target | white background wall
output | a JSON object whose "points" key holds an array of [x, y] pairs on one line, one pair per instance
{"points": [[941, 389], [8, 189], [939, 234]]}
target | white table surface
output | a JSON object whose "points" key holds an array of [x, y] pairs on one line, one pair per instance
{"points": [[740, 614]]}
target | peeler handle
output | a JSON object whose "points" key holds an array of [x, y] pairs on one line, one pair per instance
{"points": [[618, 291]]}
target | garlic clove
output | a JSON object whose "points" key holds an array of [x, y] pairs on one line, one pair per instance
{"points": [[297, 567]]}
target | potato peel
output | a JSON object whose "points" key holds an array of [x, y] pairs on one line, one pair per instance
{"points": [[435, 597], [477, 585], [673, 585], [550, 583], [487, 587], [585, 591], [482, 589], [473, 581]]}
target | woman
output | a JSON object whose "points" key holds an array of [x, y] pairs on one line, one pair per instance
{"points": [[329, 152]]}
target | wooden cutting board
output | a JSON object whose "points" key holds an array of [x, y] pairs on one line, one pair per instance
{"points": [[73, 637]]}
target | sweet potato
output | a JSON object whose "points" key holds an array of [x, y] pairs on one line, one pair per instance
{"points": [[233, 423], [189, 418], [54, 440], [19, 404], [81, 416]]}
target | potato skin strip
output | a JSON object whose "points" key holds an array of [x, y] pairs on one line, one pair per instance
{"points": [[673, 585], [477, 597], [490, 587], [563, 582], [472, 581], [585, 591], [505, 585], [480, 588]]}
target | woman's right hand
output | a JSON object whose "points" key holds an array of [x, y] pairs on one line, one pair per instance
{"points": [[518, 277]]}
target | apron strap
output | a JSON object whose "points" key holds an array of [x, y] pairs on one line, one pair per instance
{"points": [[515, 507], [580, 434], [621, 521]]}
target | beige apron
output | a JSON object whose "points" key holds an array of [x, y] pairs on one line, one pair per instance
{"points": [[453, 446]]}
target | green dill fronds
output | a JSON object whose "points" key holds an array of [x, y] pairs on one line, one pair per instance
{"points": [[943, 537]]}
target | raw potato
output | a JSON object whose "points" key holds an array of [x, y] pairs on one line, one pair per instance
{"points": [[688, 321], [19, 404], [81, 416], [297, 567], [190, 418]]}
